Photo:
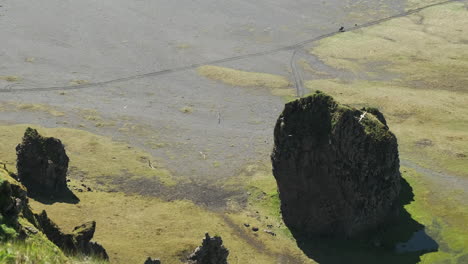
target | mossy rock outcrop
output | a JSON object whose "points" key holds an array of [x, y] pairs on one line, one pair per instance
{"points": [[78, 241], [17, 221], [336, 167], [42, 164]]}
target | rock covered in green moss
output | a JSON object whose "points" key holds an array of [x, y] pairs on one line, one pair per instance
{"points": [[13, 205], [336, 167], [42, 163]]}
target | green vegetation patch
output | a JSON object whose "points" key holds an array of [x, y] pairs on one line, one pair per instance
{"points": [[444, 218], [38, 249]]}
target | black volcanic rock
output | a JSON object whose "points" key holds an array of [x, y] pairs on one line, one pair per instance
{"points": [[152, 261], [79, 241], [211, 251], [42, 163], [336, 167]]}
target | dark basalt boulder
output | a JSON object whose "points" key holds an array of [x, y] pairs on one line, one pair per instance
{"points": [[152, 261], [79, 241], [336, 167], [42, 164], [211, 251]]}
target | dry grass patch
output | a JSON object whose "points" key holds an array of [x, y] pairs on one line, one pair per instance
{"points": [[186, 110], [78, 82], [243, 78], [131, 228], [431, 45], [93, 116], [10, 78], [45, 108], [98, 157]]}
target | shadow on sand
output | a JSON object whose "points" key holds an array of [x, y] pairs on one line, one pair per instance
{"points": [[402, 243]]}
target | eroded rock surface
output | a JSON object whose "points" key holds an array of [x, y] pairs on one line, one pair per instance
{"points": [[16, 213], [211, 251], [13, 204], [79, 241], [336, 167], [42, 163]]}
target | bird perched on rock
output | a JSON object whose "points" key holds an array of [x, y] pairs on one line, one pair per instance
{"points": [[341, 29]]}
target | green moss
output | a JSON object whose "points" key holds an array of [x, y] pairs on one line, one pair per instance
{"points": [[38, 249], [340, 109], [6, 232], [374, 128], [444, 218]]}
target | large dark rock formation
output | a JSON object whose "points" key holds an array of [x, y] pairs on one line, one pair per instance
{"points": [[79, 241], [336, 167], [211, 251], [42, 164]]}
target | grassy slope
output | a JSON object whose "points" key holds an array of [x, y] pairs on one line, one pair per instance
{"points": [[36, 248]]}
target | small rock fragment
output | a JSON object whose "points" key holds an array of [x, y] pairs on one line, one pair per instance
{"points": [[152, 261], [211, 251], [269, 232]]}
